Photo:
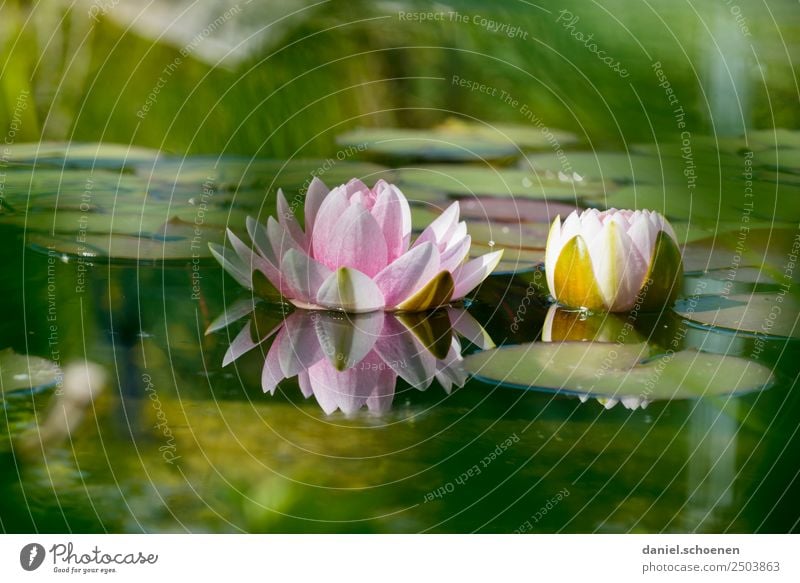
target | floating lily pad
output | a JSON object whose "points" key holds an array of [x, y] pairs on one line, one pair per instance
{"points": [[514, 260], [617, 370], [238, 172], [456, 140], [509, 235], [772, 138], [515, 210], [672, 202], [527, 137], [786, 160], [126, 247], [771, 314], [766, 249], [599, 166], [20, 372], [427, 144], [460, 181], [81, 155]]}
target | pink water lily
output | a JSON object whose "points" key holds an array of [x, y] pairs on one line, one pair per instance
{"points": [[355, 253], [351, 361], [613, 260]]}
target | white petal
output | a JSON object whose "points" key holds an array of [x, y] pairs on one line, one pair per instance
{"points": [[618, 267], [552, 251], [571, 227]]}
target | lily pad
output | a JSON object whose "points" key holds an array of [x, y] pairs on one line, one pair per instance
{"points": [[770, 314], [509, 235], [599, 166], [427, 144], [19, 372], [772, 138], [617, 371], [125, 247], [230, 172], [786, 160], [80, 155], [673, 202], [515, 211], [469, 181], [766, 249]]}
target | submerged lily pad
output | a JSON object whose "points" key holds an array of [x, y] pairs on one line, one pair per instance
{"points": [[617, 370], [20, 372], [771, 314]]}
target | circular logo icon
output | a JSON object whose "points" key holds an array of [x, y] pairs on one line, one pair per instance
{"points": [[31, 556]]}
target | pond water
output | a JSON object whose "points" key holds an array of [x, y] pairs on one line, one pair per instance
{"points": [[375, 423]]}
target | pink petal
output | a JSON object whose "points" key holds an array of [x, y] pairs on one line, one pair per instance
{"points": [[280, 240], [456, 236], [405, 355], [232, 263], [356, 242], [315, 195], [355, 186], [258, 234], [327, 220], [472, 273], [243, 343], [450, 370], [455, 256], [350, 290], [346, 390], [347, 339], [271, 373], [288, 221], [441, 228], [408, 274], [305, 384], [303, 275], [253, 261], [468, 327], [380, 401], [299, 348], [393, 216], [239, 309]]}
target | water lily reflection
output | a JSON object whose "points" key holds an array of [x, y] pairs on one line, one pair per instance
{"points": [[566, 324], [348, 361]]}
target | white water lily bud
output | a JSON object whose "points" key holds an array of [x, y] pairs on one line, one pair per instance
{"points": [[613, 260]]}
